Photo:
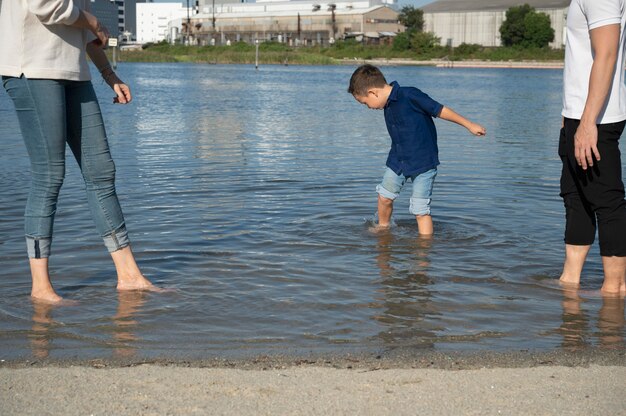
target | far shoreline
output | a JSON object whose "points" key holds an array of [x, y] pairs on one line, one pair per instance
{"points": [[440, 63]]}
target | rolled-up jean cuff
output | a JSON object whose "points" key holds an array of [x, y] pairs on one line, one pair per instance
{"points": [[38, 248], [117, 240], [385, 193], [420, 206]]}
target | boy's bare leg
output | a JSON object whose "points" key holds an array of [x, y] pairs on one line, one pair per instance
{"points": [[129, 277], [573, 266], [42, 289], [425, 224], [614, 271], [385, 209]]}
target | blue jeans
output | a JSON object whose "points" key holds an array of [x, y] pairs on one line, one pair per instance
{"points": [[423, 183], [51, 113]]}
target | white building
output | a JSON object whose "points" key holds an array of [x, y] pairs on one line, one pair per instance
{"points": [[153, 21], [479, 21]]}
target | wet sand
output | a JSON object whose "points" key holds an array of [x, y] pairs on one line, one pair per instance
{"points": [[557, 383]]}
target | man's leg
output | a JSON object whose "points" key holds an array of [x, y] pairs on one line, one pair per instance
{"points": [[573, 266], [614, 271], [606, 192], [580, 220]]}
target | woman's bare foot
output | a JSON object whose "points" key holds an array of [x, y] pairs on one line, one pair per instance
{"points": [[129, 277], [43, 296], [42, 290], [137, 282]]}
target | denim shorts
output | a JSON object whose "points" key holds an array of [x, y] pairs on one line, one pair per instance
{"points": [[392, 184]]}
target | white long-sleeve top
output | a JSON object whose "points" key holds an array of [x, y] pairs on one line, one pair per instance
{"points": [[37, 41]]}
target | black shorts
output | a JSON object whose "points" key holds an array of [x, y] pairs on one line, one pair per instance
{"points": [[596, 195]]}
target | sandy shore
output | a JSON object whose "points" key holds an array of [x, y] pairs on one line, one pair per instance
{"points": [[506, 384], [157, 390]]}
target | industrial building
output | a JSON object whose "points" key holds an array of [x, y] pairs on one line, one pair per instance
{"points": [[479, 21], [292, 22]]}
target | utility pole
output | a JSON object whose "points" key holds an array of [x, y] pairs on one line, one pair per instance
{"points": [[331, 8], [188, 24]]}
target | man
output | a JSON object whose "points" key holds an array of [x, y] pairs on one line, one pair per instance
{"points": [[594, 111]]}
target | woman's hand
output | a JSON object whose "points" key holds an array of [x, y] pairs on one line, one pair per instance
{"points": [[122, 91]]}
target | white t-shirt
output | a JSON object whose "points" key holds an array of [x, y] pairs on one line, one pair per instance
{"points": [[583, 16]]}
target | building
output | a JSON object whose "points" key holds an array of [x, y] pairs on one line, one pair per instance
{"points": [[479, 21], [154, 21], [294, 22], [127, 18], [106, 12]]}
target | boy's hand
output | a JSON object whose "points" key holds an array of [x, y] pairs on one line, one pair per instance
{"points": [[477, 129]]}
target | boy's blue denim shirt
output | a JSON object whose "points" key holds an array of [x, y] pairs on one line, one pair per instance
{"points": [[409, 117]]}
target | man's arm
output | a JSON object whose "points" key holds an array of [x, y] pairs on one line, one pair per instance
{"points": [[604, 45], [450, 115]]}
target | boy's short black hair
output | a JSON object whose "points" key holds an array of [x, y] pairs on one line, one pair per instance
{"points": [[366, 77]]}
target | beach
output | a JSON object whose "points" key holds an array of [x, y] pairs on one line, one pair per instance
{"points": [[557, 383], [256, 210]]}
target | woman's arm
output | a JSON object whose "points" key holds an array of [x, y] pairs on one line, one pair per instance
{"points": [[122, 91], [88, 21]]}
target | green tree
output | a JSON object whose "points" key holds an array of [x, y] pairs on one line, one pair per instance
{"points": [[539, 32], [412, 18], [525, 27]]}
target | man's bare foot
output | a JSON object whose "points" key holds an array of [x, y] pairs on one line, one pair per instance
{"points": [[612, 294], [568, 283]]}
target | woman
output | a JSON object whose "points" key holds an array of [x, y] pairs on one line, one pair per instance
{"points": [[44, 70]]}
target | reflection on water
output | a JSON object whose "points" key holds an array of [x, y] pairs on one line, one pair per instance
{"points": [[406, 298], [129, 305], [42, 322], [45, 329], [252, 193], [577, 328]]}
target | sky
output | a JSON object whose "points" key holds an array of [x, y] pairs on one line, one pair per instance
{"points": [[414, 3]]}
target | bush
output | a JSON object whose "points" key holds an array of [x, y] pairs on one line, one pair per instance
{"points": [[467, 49], [401, 42], [424, 42]]}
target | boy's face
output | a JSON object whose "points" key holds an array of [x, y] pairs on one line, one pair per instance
{"points": [[374, 99]]}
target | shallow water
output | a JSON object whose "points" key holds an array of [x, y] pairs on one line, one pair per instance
{"points": [[252, 193]]}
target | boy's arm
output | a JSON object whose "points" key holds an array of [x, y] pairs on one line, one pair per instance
{"points": [[450, 115]]}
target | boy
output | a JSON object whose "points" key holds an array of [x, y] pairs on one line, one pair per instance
{"points": [[414, 155]]}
